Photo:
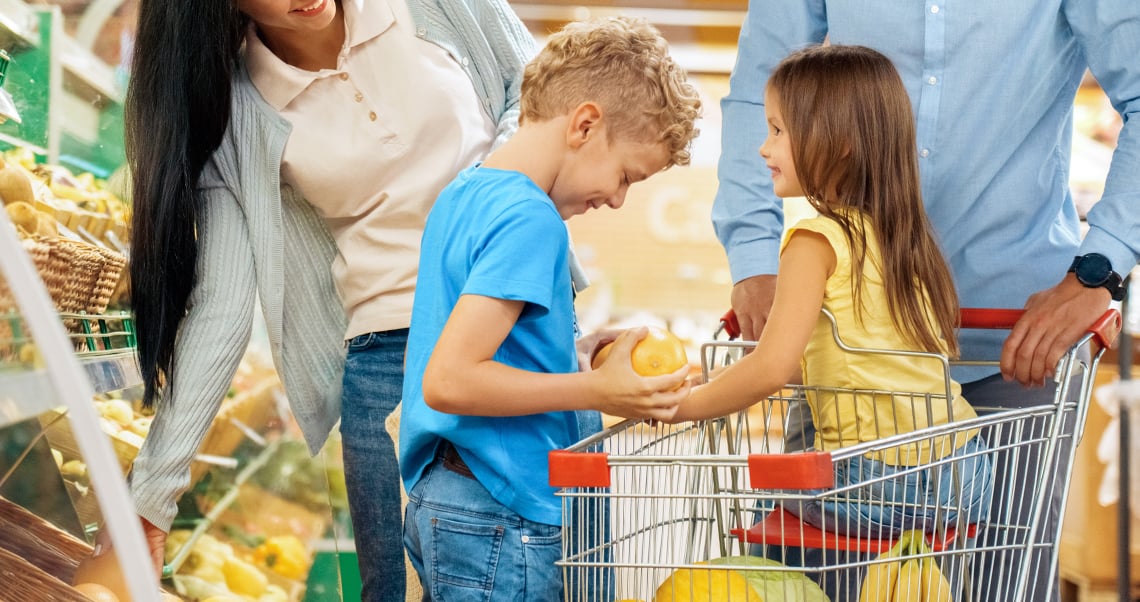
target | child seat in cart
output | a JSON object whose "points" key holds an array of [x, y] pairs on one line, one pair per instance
{"points": [[754, 506]]}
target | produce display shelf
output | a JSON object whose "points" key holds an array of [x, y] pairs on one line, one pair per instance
{"points": [[27, 393]]}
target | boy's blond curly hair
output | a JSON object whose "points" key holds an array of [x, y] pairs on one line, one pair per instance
{"points": [[623, 64]]}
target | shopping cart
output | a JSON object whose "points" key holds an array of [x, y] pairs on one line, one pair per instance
{"points": [[695, 511]]}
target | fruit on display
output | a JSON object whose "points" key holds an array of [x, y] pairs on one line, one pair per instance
{"points": [[60, 197], [213, 570], [284, 555], [660, 352], [102, 571], [910, 577], [15, 183], [243, 578], [96, 592], [765, 583]]}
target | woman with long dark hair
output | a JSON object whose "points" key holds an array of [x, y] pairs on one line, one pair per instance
{"points": [[287, 153]]}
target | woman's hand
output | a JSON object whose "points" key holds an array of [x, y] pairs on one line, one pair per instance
{"points": [[155, 541]]}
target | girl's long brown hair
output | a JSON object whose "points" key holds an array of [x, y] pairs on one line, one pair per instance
{"points": [[853, 144]]}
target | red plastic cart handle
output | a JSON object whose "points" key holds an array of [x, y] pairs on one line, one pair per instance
{"points": [[1104, 329], [730, 324]]}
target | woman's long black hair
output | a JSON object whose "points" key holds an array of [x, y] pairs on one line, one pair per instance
{"points": [[177, 109]]}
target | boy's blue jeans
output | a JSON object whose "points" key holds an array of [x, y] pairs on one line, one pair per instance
{"points": [[373, 385], [465, 545]]}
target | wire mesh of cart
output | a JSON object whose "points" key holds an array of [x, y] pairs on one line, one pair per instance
{"points": [[753, 507]]}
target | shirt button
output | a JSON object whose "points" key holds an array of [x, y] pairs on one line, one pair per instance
{"points": [[932, 80], [421, 31], [526, 538], [344, 77], [924, 153], [372, 116], [934, 9], [359, 97], [465, 61]]}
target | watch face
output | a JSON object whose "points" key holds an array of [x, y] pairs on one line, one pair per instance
{"points": [[1094, 269]]}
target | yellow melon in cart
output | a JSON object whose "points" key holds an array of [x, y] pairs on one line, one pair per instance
{"points": [[706, 585]]}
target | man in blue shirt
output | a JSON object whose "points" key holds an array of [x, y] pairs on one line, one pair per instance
{"points": [[992, 86]]}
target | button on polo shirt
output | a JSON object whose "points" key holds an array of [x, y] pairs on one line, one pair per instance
{"points": [[373, 142]]}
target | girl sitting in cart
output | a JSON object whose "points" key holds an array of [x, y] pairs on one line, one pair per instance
{"points": [[841, 133]]}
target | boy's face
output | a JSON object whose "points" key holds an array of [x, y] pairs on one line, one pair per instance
{"points": [[600, 172]]}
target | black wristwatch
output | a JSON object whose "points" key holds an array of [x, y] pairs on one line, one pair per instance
{"points": [[1094, 271]]}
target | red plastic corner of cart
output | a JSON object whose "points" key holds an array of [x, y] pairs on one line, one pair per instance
{"points": [[579, 469], [1107, 328], [801, 470]]}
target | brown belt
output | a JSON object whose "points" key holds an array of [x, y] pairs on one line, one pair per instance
{"points": [[452, 460]]}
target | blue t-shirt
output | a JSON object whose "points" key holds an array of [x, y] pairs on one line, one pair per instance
{"points": [[494, 233]]}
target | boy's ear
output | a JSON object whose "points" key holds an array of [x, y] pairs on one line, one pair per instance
{"points": [[585, 122]]}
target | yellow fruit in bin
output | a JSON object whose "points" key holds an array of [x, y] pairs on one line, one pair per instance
{"points": [[73, 469], [244, 578], [24, 216], [284, 555], [117, 411], [96, 592], [15, 184], [140, 426], [46, 225]]}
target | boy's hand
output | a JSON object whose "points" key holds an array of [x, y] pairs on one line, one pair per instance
{"points": [[627, 394], [588, 346]]}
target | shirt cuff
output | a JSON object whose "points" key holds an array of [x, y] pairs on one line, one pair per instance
{"points": [[1121, 256], [756, 258]]}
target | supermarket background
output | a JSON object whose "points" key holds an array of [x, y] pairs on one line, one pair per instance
{"points": [[654, 262]]}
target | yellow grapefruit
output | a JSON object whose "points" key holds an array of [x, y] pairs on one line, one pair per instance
{"points": [[660, 352]]}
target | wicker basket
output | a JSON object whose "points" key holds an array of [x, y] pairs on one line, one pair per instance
{"points": [[30, 537], [107, 284], [79, 277], [23, 581]]}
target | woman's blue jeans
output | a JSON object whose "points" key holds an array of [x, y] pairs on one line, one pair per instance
{"points": [[373, 386]]}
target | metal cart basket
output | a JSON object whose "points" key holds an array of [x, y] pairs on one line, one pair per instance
{"points": [[751, 507]]}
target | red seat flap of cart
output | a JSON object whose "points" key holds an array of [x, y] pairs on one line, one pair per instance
{"points": [[782, 528]]}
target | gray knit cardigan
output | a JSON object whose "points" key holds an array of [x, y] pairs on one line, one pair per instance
{"points": [[260, 240]]}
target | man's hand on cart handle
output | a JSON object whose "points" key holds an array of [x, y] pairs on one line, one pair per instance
{"points": [[752, 302], [1054, 320]]}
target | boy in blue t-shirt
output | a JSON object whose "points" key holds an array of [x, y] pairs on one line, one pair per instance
{"points": [[492, 379]]}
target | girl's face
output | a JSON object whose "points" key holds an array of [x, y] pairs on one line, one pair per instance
{"points": [[777, 152], [295, 16]]}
